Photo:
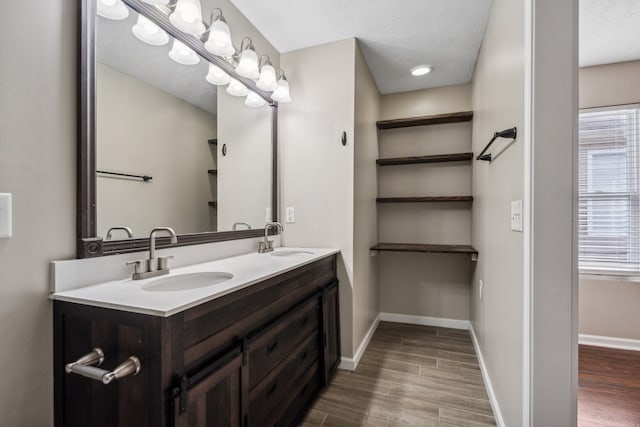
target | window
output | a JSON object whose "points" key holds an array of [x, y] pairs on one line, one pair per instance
{"points": [[609, 203]]}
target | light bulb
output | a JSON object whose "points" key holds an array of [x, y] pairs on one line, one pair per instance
{"points": [[254, 100], [219, 42], [236, 88], [112, 9], [187, 17], [216, 76], [150, 33], [281, 94], [248, 65], [183, 54], [268, 81]]}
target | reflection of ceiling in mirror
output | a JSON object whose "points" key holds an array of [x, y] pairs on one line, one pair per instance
{"points": [[118, 48]]}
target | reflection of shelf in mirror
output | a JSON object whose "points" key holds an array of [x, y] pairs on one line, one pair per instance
{"points": [[213, 141], [213, 172], [213, 204]]}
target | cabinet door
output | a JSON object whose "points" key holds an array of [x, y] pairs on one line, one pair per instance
{"points": [[331, 333], [212, 397]]}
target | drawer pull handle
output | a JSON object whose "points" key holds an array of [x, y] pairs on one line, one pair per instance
{"points": [[272, 346], [304, 321], [272, 389], [304, 355]]}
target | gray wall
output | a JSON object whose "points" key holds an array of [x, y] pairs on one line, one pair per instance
{"points": [[37, 165], [433, 285], [609, 307], [526, 322], [498, 103], [366, 305], [316, 170], [38, 82]]}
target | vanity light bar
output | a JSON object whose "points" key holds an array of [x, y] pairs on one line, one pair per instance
{"points": [[213, 43]]}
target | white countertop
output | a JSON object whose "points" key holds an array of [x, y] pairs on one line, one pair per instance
{"points": [[248, 269]]}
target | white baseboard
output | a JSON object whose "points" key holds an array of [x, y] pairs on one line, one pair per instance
{"points": [[351, 363], [487, 380], [609, 342], [425, 321]]}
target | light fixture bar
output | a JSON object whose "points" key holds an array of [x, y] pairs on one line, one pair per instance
{"points": [[156, 16]]}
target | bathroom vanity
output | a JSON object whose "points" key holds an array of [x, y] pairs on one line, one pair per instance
{"points": [[252, 353]]}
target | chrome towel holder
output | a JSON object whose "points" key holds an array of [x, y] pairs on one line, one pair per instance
{"points": [[85, 366]]}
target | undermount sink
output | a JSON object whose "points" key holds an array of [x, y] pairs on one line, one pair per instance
{"points": [[291, 253], [182, 282]]}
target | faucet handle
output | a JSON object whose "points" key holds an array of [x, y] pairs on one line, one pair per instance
{"points": [[163, 262], [140, 266]]}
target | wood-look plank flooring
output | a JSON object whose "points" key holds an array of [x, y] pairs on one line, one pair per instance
{"points": [[408, 376], [609, 387]]}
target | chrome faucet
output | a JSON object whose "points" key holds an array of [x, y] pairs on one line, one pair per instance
{"points": [[236, 224], [152, 267], [126, 229], [267, 245]]}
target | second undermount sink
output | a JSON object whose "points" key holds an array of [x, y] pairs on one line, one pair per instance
{"points": [[182, 282], [291, 253]]}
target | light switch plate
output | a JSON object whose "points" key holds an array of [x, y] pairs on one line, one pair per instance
{"points": [[5, 216], [291, 215], [516, 215]]}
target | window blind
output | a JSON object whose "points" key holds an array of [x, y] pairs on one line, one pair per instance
{"points": [[608, 184]]}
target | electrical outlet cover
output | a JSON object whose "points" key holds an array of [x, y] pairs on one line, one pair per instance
{"points": [[291, 215], [516, 215]]}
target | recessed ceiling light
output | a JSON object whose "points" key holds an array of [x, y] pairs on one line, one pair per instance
{"points": [[421, 70]]}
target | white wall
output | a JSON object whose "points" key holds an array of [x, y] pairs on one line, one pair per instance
{"points": [[608, 307], [144, 131], [317, 171], [366, 304], [37, 165], [432, 285], [498, 103], [245, 173]]}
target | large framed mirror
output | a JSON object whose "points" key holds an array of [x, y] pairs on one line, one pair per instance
{"points": [[160, 144]]}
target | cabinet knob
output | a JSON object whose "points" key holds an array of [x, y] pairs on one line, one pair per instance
{"points": [[272, 389], [272, 346]]}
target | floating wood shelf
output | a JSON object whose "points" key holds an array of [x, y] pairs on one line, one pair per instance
{"points": [[439, 119], [424, 248], [213, 204], [213, 141], [439, 158], [432, 199], [213, 171]]}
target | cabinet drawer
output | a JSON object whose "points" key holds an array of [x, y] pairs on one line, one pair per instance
{"points": [[275, 391], [270, 346], [303, 393]]}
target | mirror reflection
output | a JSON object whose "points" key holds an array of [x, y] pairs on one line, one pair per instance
{"points": [[173, 149]]}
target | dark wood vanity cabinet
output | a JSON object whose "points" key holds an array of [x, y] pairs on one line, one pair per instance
{"points": [[255, 357]]}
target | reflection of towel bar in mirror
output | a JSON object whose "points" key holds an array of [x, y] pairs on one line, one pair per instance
{"points": [[145, 178], [510, 133]]}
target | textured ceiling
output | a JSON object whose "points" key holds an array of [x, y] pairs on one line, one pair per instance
{"points": [[117, 47], [609, 31], [394, 35]]}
